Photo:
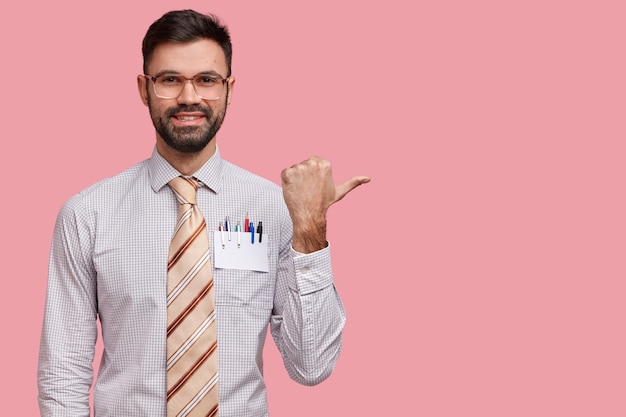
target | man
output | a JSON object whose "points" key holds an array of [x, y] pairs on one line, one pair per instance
{"points": [[111, 258]]}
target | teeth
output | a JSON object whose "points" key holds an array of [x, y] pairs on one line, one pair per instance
{"points": [[187, 118]]}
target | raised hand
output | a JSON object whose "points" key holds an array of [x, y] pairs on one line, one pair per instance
{"points": [[309, 190]]}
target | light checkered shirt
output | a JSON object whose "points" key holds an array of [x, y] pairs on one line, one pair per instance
{"points": [[109, 262]]}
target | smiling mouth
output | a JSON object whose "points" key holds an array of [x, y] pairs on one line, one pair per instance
{"points": [[188, 118]]}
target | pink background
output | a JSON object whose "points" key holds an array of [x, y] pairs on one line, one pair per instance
{"points": [[482, 268]]}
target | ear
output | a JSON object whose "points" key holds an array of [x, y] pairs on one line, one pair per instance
{"points": [[142, 87], [231, 86]]}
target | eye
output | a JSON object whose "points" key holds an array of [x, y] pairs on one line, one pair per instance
{"points": [[207, 81], [168, 80]]}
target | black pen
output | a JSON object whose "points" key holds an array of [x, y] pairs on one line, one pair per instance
{"points": [[259, 229]]}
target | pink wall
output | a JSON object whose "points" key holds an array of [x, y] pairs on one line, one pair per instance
{"points": [[482, 268]]}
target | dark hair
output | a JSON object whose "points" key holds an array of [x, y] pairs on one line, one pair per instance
{"points": [[186, 26]]}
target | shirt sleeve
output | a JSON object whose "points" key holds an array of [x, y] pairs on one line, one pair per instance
{"points": [[69, 332], [309, 316]]}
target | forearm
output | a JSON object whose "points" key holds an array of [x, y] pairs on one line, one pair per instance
{"points": [[67, 348], [309, 235], [308, 333], [63, 381]]}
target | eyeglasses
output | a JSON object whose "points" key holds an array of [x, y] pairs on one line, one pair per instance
{"points": [[207, 87]]}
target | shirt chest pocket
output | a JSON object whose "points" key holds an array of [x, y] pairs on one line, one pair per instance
{"points": [[241, 288]]}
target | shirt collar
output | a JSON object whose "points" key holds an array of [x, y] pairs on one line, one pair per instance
{"points": [[161, 172]]}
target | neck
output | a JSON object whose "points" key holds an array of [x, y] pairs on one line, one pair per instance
{"points": [[186, 163]]}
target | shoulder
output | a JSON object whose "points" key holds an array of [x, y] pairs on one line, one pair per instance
{"points": [[108, 191], [238, 177]]}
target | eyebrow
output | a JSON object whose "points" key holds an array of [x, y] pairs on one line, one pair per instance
{"points": [[172, 72]]}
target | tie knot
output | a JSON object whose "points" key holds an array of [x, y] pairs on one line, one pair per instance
{"points": [[185, 189]]}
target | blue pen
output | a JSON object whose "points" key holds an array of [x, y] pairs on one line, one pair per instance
{"points": [[238, 230], [252, 233], [227, 224]]}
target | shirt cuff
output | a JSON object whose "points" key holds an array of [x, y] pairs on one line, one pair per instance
{"points": [[313, 270]]}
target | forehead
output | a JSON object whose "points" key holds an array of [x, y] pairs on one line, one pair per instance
{"points": [[189, 58]]}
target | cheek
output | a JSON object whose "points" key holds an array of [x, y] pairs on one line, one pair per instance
{"points": [[218, 107], [157, 108]]}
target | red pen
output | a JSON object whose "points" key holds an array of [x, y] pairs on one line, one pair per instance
{"points": [[220, 228], [246, 224]]}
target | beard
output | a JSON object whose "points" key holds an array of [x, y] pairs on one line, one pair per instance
{"points": [[186, 139]]}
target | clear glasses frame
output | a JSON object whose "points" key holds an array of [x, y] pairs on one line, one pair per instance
{"points": [[221, 82]]}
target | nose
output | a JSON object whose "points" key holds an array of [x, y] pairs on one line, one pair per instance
{"points": [[188, 95]]}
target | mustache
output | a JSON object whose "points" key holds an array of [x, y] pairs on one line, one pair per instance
{"points": [[193, 108]]}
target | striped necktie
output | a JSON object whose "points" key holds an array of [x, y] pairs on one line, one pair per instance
{"points": [[191, 326]]}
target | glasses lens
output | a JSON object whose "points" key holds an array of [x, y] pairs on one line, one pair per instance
{"points": [[168, 86], [207, 87], [210, 88]]}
